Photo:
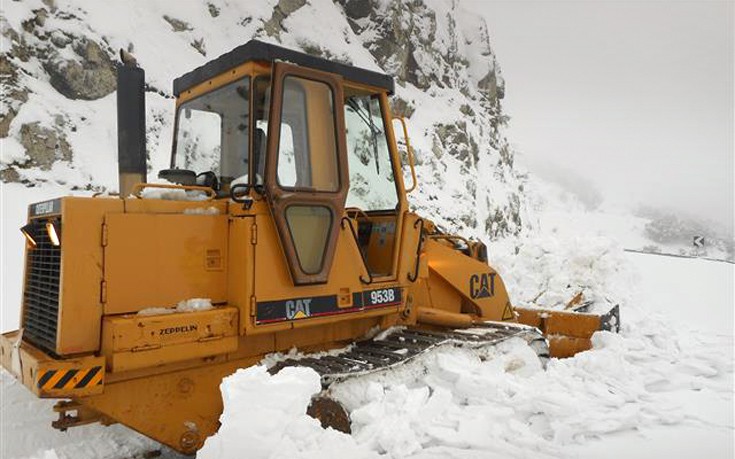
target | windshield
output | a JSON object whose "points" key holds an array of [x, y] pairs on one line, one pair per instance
{"points": [[212, 133], [372, 185]]}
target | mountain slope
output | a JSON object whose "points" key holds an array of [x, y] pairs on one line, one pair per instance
{"points": [[58, 73]]}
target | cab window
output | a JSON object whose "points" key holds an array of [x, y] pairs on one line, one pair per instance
{"points": [[372, 184], [212, 132], [307, 149]]}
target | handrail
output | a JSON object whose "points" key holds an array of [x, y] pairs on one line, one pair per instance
{"points": [[419, 246], [362, 255], [138, 188], [409, 153]]}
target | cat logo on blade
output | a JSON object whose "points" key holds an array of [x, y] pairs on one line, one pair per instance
{"points": [[298, 309], [482, 285]]}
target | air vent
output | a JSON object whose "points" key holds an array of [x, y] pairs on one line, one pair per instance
{"points": [[41, 293]]}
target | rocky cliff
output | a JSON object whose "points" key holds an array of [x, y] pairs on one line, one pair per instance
{"points": [[57, 121]]}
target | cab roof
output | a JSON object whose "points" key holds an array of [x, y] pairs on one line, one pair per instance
{"points": [[256, 50]]}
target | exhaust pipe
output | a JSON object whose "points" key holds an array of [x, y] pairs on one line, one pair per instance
{"points": [[131, 153]]}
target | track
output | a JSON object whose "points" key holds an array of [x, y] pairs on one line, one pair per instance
{"points": [[400, 345], [396, 347]]}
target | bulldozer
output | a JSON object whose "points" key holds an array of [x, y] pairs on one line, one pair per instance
{"points": [[283, 222]]}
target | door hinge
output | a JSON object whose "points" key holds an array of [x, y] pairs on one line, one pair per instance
{"points": [[253, 305], [104, 235], [103, 292], [254, 234]]}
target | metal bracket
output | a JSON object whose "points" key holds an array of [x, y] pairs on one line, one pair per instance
{"points": [[80, 415]]}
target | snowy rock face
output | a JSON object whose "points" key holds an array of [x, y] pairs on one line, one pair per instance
{"points": [[441, 56], [57, 122]]}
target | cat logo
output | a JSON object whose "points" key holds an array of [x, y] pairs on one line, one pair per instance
{"points": [[482, 285], [298, 309]]}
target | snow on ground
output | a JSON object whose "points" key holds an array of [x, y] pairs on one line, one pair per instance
{"points": [[25, 431], [694, 299], [265, 416], [663, 387]]}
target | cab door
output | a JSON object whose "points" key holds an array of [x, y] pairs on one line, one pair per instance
{"points": [[306, 177]]}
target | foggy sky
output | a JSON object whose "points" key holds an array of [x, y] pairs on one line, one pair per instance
{"points": [[635, 96]]}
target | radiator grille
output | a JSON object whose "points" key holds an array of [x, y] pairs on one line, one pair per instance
{"points": [[41, 293]]}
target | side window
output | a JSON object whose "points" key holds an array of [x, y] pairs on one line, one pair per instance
{"points": [[286, 161], [212, 132], [372, 185], [307, 151], [199, 143]]}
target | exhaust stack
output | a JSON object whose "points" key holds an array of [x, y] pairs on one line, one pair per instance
{"points": [[131, 152]]}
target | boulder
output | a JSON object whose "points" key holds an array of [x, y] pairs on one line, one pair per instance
{"points": [[91, 77], [44, 146]]}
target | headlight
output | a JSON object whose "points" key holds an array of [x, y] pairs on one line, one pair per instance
{"points": [[26, 230], [54, 233]]}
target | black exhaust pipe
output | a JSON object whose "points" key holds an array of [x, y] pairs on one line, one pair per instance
{"points": [[131, 153]]}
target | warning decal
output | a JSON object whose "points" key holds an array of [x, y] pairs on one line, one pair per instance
{"points": [[508, 312]]}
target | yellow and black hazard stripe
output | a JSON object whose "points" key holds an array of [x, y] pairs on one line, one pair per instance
{"points": [[70, 379]]}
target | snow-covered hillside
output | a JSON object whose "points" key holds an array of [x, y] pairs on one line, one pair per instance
{"points": [[58, 122]]}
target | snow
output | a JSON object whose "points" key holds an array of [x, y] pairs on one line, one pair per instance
{"points": [[190, 305], [194, 304], [174, 194], [704, 301], [265, 416], [664, 381]]}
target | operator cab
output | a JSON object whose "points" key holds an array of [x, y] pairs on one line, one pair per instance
{"points": [[313, 136]]}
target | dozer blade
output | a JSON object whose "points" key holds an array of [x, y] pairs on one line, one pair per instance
{"points": [[569, 332], [396, 347]]}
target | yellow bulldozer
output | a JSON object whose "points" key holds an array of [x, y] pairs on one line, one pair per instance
{"points": [[282, 223]]}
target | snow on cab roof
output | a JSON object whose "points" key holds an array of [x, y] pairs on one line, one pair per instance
{"points": [[255, 50]]}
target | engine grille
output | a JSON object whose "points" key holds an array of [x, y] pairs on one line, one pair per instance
{"points": [[41, 293]]}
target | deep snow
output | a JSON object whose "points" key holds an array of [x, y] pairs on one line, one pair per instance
{"points": [[663, 387]]}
